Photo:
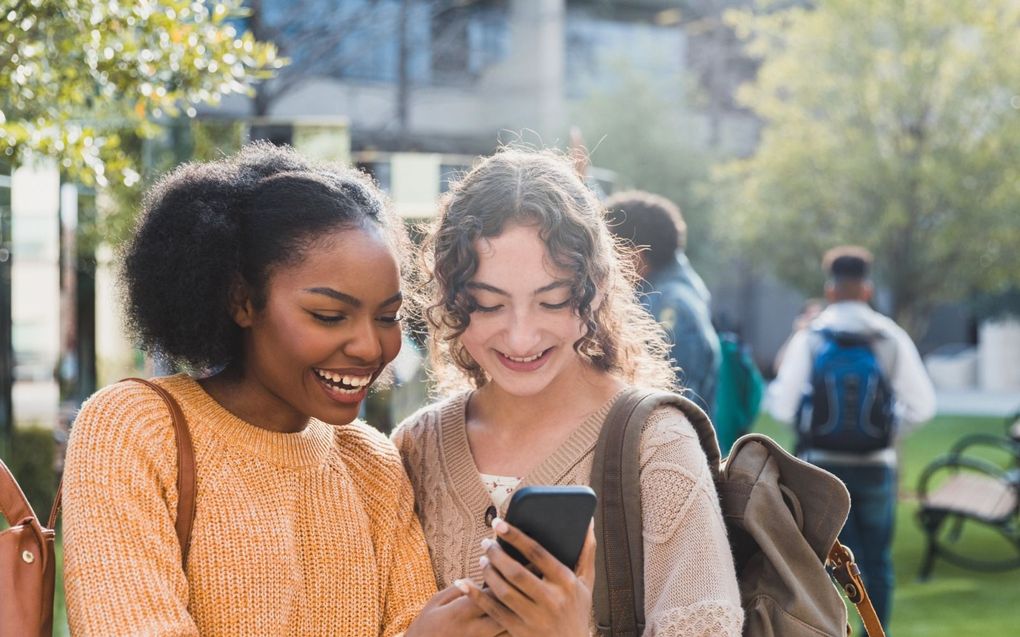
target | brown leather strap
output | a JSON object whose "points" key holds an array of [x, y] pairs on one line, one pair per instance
{"points": [[13, 503], [619, 556], [848, 575], [55, 509], [185, 473]]}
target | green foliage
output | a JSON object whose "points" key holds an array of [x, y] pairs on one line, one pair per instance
{"points": [[652, 143], [895, 125], [32, 452], [78, 76], [180, 141]]}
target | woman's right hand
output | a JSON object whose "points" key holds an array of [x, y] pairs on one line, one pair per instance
{"points": [[450, 612], [552, 600]]}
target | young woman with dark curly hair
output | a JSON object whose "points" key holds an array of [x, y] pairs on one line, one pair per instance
{"points": [[282, 279], [532, 311]]}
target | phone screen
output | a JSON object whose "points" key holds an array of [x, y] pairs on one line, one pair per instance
{"points": [[557, 517]]}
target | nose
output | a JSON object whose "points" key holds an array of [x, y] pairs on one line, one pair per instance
{"points": [[522, 333], [364, 343]]}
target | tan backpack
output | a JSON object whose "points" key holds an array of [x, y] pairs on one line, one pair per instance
{"points": [[27, 558], [782, 514]]}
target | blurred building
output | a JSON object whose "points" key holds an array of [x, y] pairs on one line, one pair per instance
{"points": [[458, 77]]}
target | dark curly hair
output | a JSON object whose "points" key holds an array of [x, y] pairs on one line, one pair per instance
{"points": [[649, 222], [207, 227], [540, 188]]}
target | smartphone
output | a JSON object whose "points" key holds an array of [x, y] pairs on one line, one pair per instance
{"points": [[555, 517]]}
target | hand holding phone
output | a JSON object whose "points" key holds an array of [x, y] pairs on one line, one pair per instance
{"points": [[557, 517], [552, 596]]}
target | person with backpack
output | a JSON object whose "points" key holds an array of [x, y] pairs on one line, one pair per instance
{"points": [[670, 289], [535, 332], [849, 383]]}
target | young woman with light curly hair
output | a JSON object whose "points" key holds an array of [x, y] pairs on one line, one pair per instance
{"points": [[535, 330]]}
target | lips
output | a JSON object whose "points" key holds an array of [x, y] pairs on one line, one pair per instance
{"points": [[345, 385], [524, 363]]}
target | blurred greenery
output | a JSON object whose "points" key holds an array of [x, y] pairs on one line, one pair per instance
{"points": [[176, 142], [650, 140], [32, 452], [83, 82], [895, 125], [955, 601]]}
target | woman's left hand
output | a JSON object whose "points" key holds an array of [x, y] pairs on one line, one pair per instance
{"points": [[556, 601]]}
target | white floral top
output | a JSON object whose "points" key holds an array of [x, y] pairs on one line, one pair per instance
{"points": [[499, 487]]}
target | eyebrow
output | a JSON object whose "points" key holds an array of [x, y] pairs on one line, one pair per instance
{"points": [[350, 300], [478, 285]]}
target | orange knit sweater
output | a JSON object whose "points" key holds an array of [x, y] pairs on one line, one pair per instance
{"points": [[311, 533]]}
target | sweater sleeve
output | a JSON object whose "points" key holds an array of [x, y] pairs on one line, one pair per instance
{"points": [[122, 558], [690, 582], [407, 579]]}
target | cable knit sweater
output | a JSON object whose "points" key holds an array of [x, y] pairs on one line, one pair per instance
{"points": [[311, 533], [690, 583]]}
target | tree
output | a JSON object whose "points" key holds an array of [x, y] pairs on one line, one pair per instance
{"points": [[80, 75], [651, 142], [895, 125]]}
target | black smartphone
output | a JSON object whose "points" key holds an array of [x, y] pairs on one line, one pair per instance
{"points": [[555, 517]]}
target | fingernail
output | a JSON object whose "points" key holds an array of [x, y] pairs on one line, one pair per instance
{"points": [[486, 543], [483, 561], [461, 585], [499, 525]]}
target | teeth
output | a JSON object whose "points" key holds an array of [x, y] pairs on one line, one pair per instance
{"points": [[351, 381], [525, 360]]}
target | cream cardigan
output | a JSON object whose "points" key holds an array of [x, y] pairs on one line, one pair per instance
{"points": [[690, 583]]}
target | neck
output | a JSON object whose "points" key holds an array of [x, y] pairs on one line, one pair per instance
{"points": [[563, 404], [243, 395], [511, 435]]}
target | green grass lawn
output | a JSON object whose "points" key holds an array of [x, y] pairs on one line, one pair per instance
{"points": [[955, 602]]}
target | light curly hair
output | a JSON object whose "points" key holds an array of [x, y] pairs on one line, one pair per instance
{"points": [[538, 188]]}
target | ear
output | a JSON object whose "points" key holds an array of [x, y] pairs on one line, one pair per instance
{"points": [[242, 309], [867, 291], [830, 292]]}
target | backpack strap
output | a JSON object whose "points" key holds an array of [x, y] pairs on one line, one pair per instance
{"points": [[185, 473], [615, 476]]}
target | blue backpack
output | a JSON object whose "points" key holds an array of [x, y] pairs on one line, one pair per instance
{"points": [[850, 405]]}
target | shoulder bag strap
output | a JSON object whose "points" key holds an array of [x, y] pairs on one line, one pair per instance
{"points": [[846, 572], [13, 504], [185, 473], [619, 556]]}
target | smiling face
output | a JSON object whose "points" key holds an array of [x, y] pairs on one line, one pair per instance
{"points": [[329, 325], [523, 330]]}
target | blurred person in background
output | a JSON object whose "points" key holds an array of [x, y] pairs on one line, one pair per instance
{"points": [[670, 289], [848, 382]]}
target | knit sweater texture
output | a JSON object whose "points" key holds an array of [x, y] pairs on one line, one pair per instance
{"points": [[690, 582], [309, 533]]}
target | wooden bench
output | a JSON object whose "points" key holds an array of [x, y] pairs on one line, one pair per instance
{"points": [[963, 488]]}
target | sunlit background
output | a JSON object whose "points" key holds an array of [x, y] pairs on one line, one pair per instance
{"points": [[781, 128]]}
